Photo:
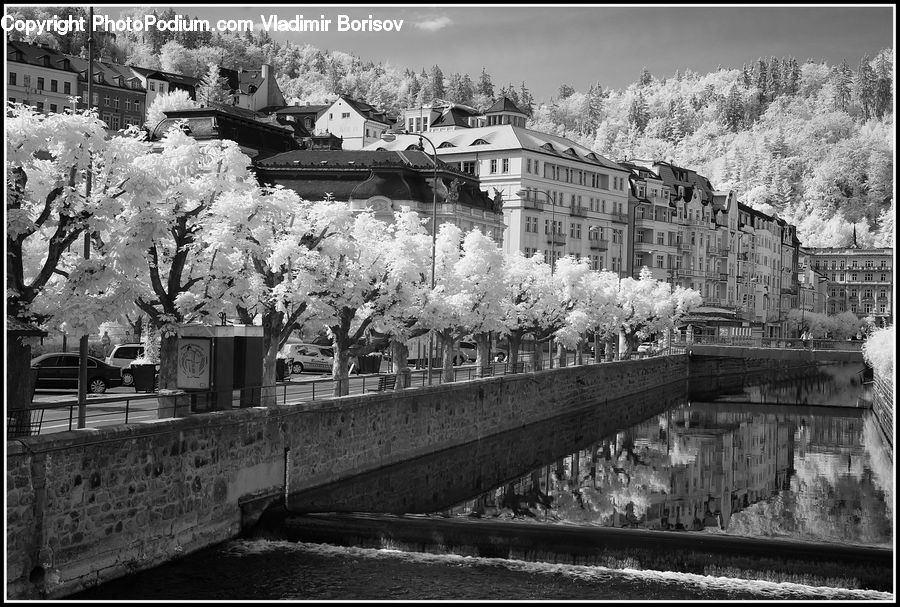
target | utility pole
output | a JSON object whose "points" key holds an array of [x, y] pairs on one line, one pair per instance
{"points": [[83, 345]]}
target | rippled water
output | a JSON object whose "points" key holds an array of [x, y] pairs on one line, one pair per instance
{"points": [[260, 570]]}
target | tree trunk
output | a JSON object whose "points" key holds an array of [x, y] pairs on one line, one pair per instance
{"points": [[483, 349], [271, 323], [515, 342], [447, 341], [579, 353], [339, 370], [168, 363], [536, 356], [399, 357], [561, 354], [598, 355], [610, 346]]}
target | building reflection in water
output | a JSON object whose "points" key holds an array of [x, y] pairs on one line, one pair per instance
{"points": [[716, 467]]}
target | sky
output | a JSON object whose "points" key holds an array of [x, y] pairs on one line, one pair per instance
{"points": [[580, 44]]}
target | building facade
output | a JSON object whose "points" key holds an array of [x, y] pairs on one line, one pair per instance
{"points": [[40, 77], [358, 124], [558, 198], [858, 280], [385, 182]]}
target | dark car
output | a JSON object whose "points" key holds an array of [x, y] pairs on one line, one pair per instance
{"points": [[60, 370]]}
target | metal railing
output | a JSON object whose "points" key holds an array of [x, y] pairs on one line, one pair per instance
{"points": [[108, 410], [776, 342]]}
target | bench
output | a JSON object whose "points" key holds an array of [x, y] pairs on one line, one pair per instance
{"points": [[385, 382]]}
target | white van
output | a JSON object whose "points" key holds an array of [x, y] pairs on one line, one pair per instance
{"points": [[121, 356]]}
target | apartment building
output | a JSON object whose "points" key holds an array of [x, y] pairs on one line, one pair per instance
{"points": [[357, 123], [858, 280], [558, 197], [40, 77]]}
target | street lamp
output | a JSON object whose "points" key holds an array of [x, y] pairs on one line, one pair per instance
{"points": [[553, 232], [391, 136]]}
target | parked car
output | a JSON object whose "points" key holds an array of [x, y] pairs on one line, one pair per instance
{"points": [[121, 356], [309, 357], [60, 370], [648, 347], [467, 352]]}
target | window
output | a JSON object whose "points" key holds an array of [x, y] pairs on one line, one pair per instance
{"points": [[95, 99], [54, 86], [528, 165], [40, 106], [116, 102], [867, 277], [659, 261], [26, 80], [883, 277], [40, 83], [660, 238], [12, 78], [345, 114], [53, 107], [106, 100], [506, 165], [531, 224], [127, 104], [468, 166], [67, 88], [493, 165], [152, 86]]}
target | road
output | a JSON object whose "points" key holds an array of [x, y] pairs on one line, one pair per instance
{"points": [[124, 405]]}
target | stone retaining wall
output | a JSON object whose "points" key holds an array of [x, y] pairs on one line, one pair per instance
{"points": [[883, 407], [87, 506]]}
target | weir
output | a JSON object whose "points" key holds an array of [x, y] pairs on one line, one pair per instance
{"points": [[84, 507]]}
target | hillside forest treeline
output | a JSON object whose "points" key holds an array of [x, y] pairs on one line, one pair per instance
{"points": [[810, 142]]}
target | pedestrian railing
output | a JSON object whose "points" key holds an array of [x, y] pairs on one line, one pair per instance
{"points": [[125, 409], [774, 342]]}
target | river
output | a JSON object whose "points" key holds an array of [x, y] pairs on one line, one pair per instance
{"points": [[761, 460]]}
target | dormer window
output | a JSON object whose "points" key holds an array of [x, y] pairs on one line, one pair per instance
{"points": [[479, 142], [446, 144]]}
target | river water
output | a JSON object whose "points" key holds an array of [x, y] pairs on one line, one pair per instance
{"points": [[756, 459]]}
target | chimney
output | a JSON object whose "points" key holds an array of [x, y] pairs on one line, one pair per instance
{"points": [[266, 68]]}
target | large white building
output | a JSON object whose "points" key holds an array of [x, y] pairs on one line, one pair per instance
{"points": [[559, 198]]}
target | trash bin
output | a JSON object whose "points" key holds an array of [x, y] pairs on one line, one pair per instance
{"points": [[283, 368]]}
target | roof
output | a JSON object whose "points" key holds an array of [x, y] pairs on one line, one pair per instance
{"points": [[367, 110], [20, 327], [352, 159], [452, 117], [362, 174], [33, 54], [504, 104], [500, 137]]}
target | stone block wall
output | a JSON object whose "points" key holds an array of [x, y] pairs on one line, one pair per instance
{"points": [[87, 506], [883, 407]]}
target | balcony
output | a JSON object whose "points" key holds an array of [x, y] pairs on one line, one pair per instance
{"points": [[578, 211], [619, 217], [599, 245], [685, 246], [723, 250], [556, 239], [529, 203]]}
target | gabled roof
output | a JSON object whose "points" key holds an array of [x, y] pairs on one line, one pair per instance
{"points": [[504, 104], [452, 117], [302, 109], [503, 137], [366, 110]]}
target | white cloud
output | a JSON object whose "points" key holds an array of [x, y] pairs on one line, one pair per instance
{"points": [[433, 25]]}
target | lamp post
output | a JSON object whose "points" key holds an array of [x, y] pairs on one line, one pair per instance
{"points": [[391, 136]]}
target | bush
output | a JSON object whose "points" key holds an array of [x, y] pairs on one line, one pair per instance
{"points": [[879, 351]]}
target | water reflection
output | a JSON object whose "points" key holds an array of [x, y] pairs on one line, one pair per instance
{"points": [[787, 472]]}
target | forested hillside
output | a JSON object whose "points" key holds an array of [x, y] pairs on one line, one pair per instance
{"points": [[809, 141]]}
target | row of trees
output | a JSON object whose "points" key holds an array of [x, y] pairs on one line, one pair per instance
{"points": [[185, 231]]}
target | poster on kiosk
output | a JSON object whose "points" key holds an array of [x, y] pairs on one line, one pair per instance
{"points": [[194, 363]]}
